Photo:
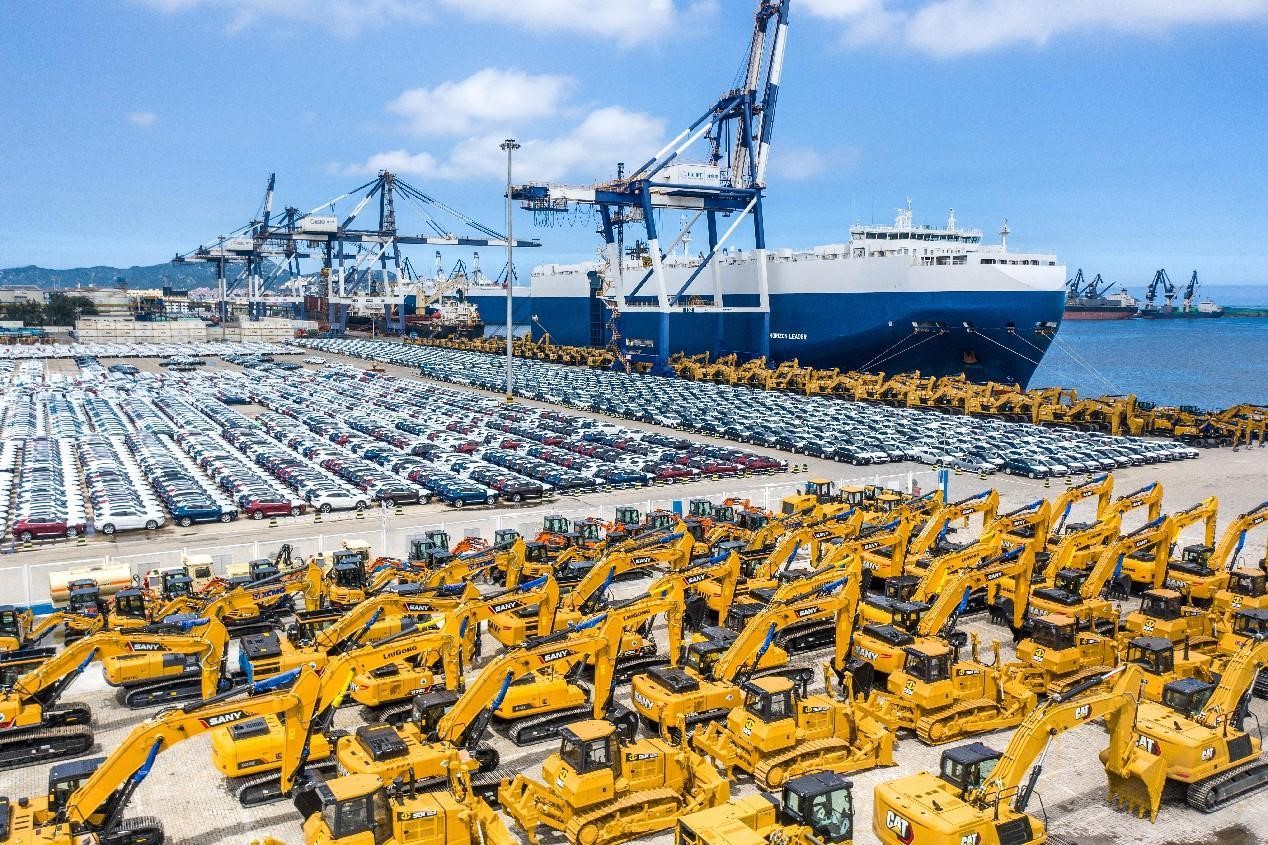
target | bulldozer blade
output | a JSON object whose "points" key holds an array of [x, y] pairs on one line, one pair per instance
{"points": [[1138, 787]]}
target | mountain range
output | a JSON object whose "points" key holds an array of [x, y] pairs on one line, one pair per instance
{"points": [[179, 276]]}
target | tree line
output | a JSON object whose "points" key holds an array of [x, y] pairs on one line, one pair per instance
{"points": [[61, 310]]}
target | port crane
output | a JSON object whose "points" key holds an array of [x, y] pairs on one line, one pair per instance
{"points": [[737, 129], [1161, 279]]}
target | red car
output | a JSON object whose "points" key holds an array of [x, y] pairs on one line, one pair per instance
{"points": [[39, 529], [257, 509]]}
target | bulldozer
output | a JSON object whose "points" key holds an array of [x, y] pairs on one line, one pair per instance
{"points": [[249, 753], [980, 795], [1058, 654], [706, 687], [86, 798], [813, 809], [1163, 662], [1204, 570], [1163, 613], [346, 573], [821, 492], [357, 809], [1197, 732], [1247, 589], [598, 790]]}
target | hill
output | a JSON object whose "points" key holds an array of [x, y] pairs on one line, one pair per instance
{"points": [[180, 276]]}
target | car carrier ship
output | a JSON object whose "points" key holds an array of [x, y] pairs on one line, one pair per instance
{"points": [[895, 298]]}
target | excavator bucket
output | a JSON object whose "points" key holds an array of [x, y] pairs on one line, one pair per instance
{"points": [[1137, 788]]}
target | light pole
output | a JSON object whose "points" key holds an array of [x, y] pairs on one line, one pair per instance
{"points": [[510, 146]]}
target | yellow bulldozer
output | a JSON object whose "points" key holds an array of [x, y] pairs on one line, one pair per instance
{"points": [[813, 809]]}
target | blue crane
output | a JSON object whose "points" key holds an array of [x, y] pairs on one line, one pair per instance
{"points": [[737, 129]]}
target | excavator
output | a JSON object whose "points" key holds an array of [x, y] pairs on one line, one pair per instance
{"points": [[882, 551], [1027, 525], [885, 647], [1101, 486], [778, 734], [1148, 497], [980, 795], [904, 591], [362, 809], [165, 663], [600, 790], [252, 607], [86, 798], [1204, 570], [443, 723], [707, 686], [1198, 733], [35, 726], [250, 753], [1076, 550], [1141, 567], [20, 630], [819, 492], [932, 538], [1077, 593], [813, 809]]}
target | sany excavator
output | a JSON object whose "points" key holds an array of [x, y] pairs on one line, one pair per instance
{"points": [[86, 798], [1024, 526], [1101, 486], [707, 687], [778, 734], [1076, 551], [252, 607], [816, 537], [814, 809], [418, 748], [885, 647], [21, 630], [1077, 592], [1148, 497], [36, 727], [980, 796], [1202, 571], [361, 809], [250, 753], [1141, 567], [906, 594], [932, 539], [1198, 733]]}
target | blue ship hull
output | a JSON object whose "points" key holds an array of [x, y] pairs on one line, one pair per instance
{"points": [[854, 331]]}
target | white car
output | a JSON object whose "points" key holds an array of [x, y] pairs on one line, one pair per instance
{"points": [[108, 523], [326, 500]]}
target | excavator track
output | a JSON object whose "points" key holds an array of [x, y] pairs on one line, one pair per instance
{"points": [[626, 669], [1219, 791], [541, 728], [142, 830], [258, 790], [933, 729], [1060, 686], [393, 714], [807, 636], [29, 748], [610, 822], [828, 753], [159, 692]]}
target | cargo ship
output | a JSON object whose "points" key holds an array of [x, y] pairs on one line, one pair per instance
{"points": [[1168, 310], [894, 298], [1089, 302]]}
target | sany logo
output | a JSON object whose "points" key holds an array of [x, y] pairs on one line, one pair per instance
{"points": [[503, 606], [900, 826], [223, 719], [145, 647], [551, 656], [807, 611], [418, 607], [865, 653]]}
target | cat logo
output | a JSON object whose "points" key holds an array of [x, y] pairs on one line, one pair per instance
{"points": [[1037, 657], [223, 719], [1148, 626], [145, 647], [559, 781], [900, 826], [1208, 753], [414, 815], [1082, 711], [1148, 744], [1237, 601], [642, 755], [865, 653], [970, 839], [552, 656]]}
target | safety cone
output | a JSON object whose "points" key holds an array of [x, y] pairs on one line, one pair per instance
{"points": [[399, 510], [360, 514], [1047, 482], [317, 516], [272, 522], [81, 540]]}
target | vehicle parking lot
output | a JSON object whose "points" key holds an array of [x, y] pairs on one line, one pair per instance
{"points": [[835, 429]]}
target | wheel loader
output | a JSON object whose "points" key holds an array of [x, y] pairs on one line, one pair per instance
{"points": [[598, 790], [813, 809], [36, 726], [980, 795], [86, 798], [706, 687], [1198, 733]]}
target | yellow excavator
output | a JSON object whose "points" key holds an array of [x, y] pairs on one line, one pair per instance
{"points": [[707, 686], [36, 726], [980, 795], [907, 592], [1148, 497], [778, 734], [932, 538], [165, 663], [363, 809], [1141, 567], [1204, 570], [1198, 733], [1076, 550], [1247, 589], [86, 798], [249, 753], [1101, 486], [813, 809], [1027, 525], [917, 623], [821, 494], [20, 630]]}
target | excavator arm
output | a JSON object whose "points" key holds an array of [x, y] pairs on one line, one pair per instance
{"points": [[130, 762], [1156, 533], [1234, 538], [954, 594], [1028, 524], [398, 648], [945, 568], [1149, 496], [1204, 512], [1101, 486], [1096, 535], [1236, 679], [676, 554], [985, 503]]}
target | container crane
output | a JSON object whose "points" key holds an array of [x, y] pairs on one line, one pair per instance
{"points": [[1161, 279], [737, 129]]}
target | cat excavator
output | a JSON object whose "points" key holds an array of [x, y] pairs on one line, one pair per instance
{"points": [[86, 798], [1204, 570], [250, 753], [363, 809], [36, 726], [980, 795], [707, 686], [1198, 733]]}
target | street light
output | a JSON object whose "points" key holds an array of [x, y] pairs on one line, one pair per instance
{"points": [[510, 146]]}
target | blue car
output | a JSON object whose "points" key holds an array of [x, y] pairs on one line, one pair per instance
{"points": [[188, 513]]}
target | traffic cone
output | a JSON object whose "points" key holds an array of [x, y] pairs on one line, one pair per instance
{"points": [[1047, 482], [399, 510], [360, 514], [81, 540], [317, 516], [272, 522]]}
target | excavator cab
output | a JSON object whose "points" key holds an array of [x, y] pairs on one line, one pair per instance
{"points": [[588, 531], [262, 568], [824, 491], [769, 699], [130, 603], [504, 538], [900, 588], [1187, 696], [724, 513], [1194, 560], [11, 623], [590, 746], [175, 583], [556, 524], [1248, 582], [1161, 604], [886, 502], [438, 539], [628, 518], [65, 778], [700, 508], [661, 520], [752, 521], [929, 663], [1155, 654], [1056, 632], [906, 615], [83, 598], [348, 572], [1252, 624], [823, 802], [968, 767], [702, 655]]}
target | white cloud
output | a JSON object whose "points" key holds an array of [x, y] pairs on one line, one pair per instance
{"points": [[799, 163], [487, 97], [947, 28], [624, 21], [587, 151], [143, 119]]}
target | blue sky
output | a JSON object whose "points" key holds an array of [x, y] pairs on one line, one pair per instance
{"points": [[1125, 136]]}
